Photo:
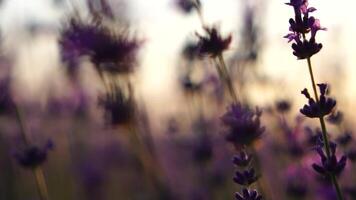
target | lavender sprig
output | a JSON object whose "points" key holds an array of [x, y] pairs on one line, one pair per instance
{"points": [[318, 107]]}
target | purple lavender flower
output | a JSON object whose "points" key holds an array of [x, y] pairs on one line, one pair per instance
{"points": [[109, 51], [283, 106], [213, 44], [118, 108], [248, 195], [33, 156], [330, 166], [301, 25], [242, 160], [187, 6], [335, 118], [243, 125], [246, 177], [345, 139], [318, 109]]}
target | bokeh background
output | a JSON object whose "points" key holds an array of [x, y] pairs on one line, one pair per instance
{"points": [[90, 161]]}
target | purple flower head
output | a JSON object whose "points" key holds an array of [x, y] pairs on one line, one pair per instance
{"points": [[246, 177], [302, 24], [190, 51], [247, 194], [345, 139], [318, 109], [187, 6], [242, 160], [335, 118], [213, 44], [306, 49], [330, 166], [118, 108], [33, 156], [243, 125], [109, 51], [283, 106]]}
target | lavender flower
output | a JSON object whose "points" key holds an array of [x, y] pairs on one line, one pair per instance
{"points": [[283, 106], [318, 109], [247, 194], [242, 160], [109, 51], [243, 125], [335, 118], [33, 156], [246, 177], [330, 166], [301, 25], [187, 6], [345, 139], [118, 108], [213, 44]]}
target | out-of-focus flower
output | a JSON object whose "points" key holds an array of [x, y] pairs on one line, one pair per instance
{"points": [[190, 51], [246, 177], [242, 160], [345, 139], [283, 106], [33, 156], [330, 166], [247, 194], [243, 125], [335, 118], [187, 6], [118, 108], [203, 149], [109, 51], [213, 44], [318, 109]]}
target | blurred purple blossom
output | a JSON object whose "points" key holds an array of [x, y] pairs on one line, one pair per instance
{"points": [[32, 156], [243, 125], [109, 51]]}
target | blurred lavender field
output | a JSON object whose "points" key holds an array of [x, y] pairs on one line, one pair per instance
{"points": [[177, 99]]}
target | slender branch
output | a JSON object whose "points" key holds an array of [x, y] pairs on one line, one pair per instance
{"points": [[227, 79], [41, 183]]}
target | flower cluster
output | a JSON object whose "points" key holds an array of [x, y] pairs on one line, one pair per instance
{"points": [[318, 108], [118, 108], [245, 178], [109, 51], [243, 125], [300, 26], [33, 156], [213, 44], [330, 165]]}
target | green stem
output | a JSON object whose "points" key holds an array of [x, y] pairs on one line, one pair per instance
{"points": [[324, 132], [226, 77], [41, 183]]}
